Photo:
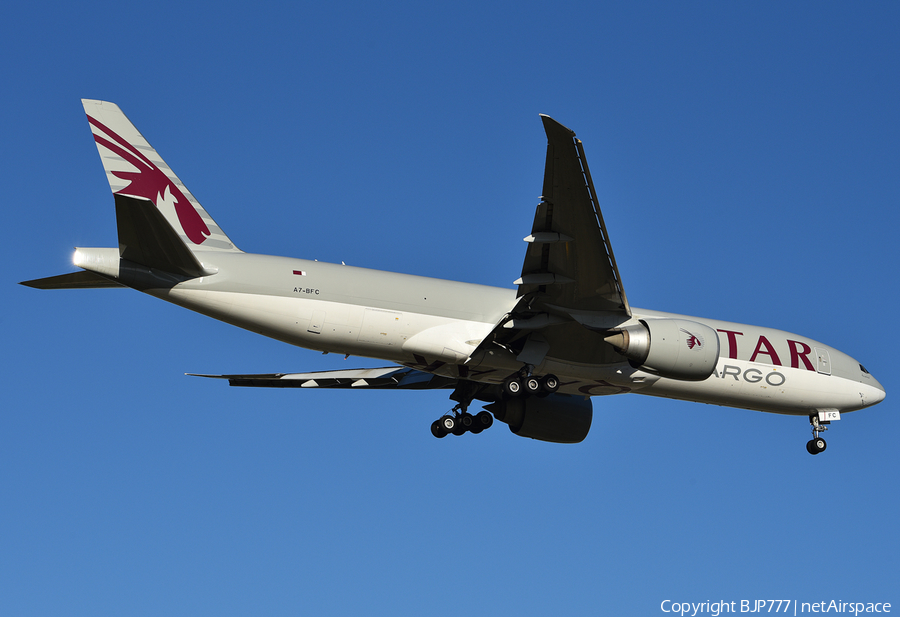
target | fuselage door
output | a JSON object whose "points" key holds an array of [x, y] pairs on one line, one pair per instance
{"points": [[823, 361], [381, 326], [317, 321]]}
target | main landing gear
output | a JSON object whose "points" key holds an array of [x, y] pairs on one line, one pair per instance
{"points": [[518, 385], [459, 422], [816, 444]]}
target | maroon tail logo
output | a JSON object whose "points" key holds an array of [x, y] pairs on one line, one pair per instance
{"points": [[692, 340], [151, 183]]}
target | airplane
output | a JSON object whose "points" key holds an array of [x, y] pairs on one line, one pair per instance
{"points": [[533, 355]]}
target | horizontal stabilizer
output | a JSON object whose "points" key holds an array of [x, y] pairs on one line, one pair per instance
{"points": [[75, 280], [147, 238], [391, 377]]}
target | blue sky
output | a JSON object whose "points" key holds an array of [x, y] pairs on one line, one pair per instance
{"points": [[746, 157]]}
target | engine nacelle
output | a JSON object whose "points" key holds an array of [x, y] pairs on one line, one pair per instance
{"points": [[674, 348], [559, 418]]}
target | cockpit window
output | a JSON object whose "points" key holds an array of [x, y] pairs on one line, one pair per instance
{"points": [[863, 369]]}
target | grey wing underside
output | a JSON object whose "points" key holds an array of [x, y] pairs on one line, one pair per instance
{"points": [[569, 263], [391, 377], [570, 290]]}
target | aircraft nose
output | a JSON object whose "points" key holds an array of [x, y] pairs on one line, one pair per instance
{"points": [[874, 393]]}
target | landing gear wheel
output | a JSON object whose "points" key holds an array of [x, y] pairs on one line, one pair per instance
{"points": [[481, 421], [459, 422], [513, 386], [437, 430], [550, 383], [484, 420], [532, 385], [463, 423], [814, 446], [448, 424]]}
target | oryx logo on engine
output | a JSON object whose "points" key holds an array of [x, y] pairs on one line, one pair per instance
{"points": [[693, 340]]}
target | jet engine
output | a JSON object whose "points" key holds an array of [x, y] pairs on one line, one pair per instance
{"points": [[673, 348], [558, 418]]}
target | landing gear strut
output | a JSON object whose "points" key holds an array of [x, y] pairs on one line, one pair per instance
{"points": [[816, 444]]}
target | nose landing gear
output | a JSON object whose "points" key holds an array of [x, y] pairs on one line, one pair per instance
{"points": [[817, 444]]}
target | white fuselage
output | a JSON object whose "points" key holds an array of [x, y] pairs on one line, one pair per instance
{"points": [[437, 326]]}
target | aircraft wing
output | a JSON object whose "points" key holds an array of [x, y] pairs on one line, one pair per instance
{"points": [[569, 267], [570, 280], [391, 377]]}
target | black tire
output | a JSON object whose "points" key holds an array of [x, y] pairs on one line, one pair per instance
{"points": [[550, 383], [437, 430], [819, 444], [460, 427], [513, 386], [483, 420], [810, 447], [533, 385], [448, 424]]}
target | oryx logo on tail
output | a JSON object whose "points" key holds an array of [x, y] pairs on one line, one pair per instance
{"points": [[150, 182]]}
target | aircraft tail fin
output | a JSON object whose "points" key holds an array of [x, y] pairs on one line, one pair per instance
{"points": [[161, 226], [147, 238], [135, 169]]}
